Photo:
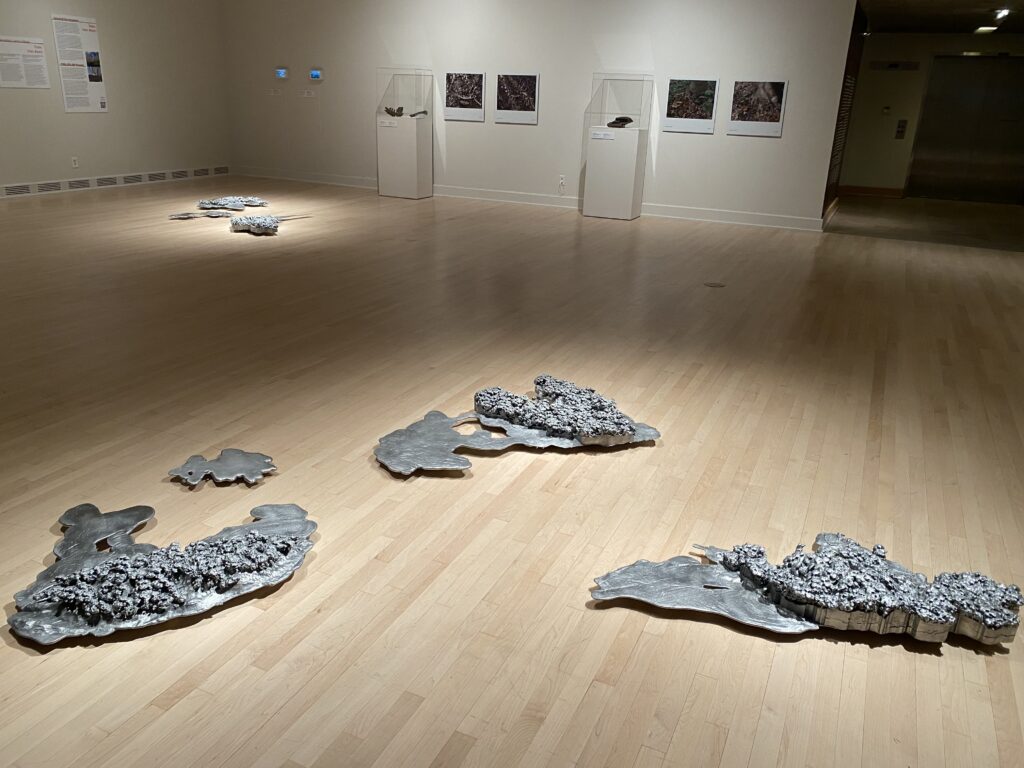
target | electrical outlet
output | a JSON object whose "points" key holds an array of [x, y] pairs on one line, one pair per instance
{"points": [[74, 162], [561, 185]]}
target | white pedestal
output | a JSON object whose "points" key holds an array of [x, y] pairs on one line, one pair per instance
{"points": [[405, 157], [616, 162]]}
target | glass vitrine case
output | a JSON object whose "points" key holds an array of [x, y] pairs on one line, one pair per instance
{"points": [[616, 131], [405, 132]]}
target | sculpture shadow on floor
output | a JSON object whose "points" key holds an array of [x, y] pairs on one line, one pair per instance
{"points": [[833, 636]]}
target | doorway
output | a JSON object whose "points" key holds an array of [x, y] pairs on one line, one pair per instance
{"points": [[970, 140]]}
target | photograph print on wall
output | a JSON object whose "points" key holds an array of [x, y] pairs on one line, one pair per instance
{"points": [[757, 108], [516, 99], [690, 106], [464, 96]]}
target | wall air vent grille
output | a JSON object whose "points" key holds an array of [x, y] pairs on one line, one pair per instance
{"points": [[220, 170], [79, 184], [135, 178], [156, 176], [17, 189], [48, 186], [201, 172], [179, 174], [106, 181]]}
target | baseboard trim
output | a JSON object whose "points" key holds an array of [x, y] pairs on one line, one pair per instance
{"points": [[871, 191], [719, 216], [553, 201], [503, 196], [106, 181], [335, 180]]}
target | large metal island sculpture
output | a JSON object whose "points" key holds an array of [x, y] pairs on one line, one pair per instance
{"points": [[840, 585], [561, 415], [90, 591]]}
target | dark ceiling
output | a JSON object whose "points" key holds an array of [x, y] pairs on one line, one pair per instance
{"points": [[942, 15]]}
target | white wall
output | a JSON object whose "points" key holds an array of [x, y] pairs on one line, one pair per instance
{"points": [[163, 64], [874, 157], [332, 137]]}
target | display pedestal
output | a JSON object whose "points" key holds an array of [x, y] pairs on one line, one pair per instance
{"points": [[405, 161], [616, 163]]}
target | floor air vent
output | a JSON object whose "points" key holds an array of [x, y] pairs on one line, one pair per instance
{"points": [[135, 178], [106, 181], [156, 176], [48, 186], [79, 184], [201, 172], [220, 170], [17, 189], [179, 174]]}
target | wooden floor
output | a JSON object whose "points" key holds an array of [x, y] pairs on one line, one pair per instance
{"points": [[870, 386], [950, 222]]}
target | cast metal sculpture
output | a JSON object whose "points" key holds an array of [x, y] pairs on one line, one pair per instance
{"points": [[840, 585], [395, 111], [257, 225], [232, 464], [96, 592], [187, 215], [620, 122], [562, 415], [233, 203]]}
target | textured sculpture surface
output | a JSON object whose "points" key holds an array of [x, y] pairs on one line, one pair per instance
{"points": [[395, 111], [560, 409], [257, 225], [89, 591], [563, 416], [840, 585], [232, 464], [233, 203]]}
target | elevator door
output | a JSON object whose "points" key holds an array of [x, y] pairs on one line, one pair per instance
{"points": [[970, 140]]}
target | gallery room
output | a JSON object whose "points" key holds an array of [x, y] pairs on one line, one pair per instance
{"points": [[538, 383]]}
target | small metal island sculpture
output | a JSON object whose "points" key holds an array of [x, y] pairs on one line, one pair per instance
{"points": [[230, 466], [256, 225], [89, 591], [232, 203], [562, 415], [840, 585]]}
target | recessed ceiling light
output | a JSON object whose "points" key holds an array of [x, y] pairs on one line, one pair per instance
{"points": [[985, 30], [1002, 14]]}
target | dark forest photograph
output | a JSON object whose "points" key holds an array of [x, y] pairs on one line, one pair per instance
{"points": [[691, 99], [517, 93], [464, 91], [757, 101]]}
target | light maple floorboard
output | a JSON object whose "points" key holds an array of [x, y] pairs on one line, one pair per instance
{"points": [[844, 383]]}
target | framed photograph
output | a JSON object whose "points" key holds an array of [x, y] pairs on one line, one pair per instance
{"points": [[516, 99], [757, 107], [464, 96], [690, 106]]}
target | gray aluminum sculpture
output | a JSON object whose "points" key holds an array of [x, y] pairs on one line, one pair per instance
{"points": [[187, 215], [562, 415], [89, 591], [257, 225], [232, 464], [233, 203], [840, 585]]}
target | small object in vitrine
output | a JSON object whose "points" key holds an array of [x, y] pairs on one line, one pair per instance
{"points": [[395, 111], [620, 122]]}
